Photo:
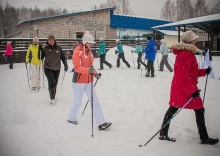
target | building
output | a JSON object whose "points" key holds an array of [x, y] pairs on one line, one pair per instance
{"points": [[100, 22]]}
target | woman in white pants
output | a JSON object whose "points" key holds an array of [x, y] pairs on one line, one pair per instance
{"points": [[82, 81], [207, 60]]}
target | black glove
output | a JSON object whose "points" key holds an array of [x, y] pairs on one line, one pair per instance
{"points": [[196, 93], [116, 51], [98, 76], [65, 68], [208, 70], [91, 70]]}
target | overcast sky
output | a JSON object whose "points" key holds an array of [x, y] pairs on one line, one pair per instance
{"points": [[142, 8]]}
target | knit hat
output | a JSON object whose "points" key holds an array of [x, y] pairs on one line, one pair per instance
{"points": [[117, 40], [8, 42], [51, 37], [162, 41], [35, 39], [189, 36], [88, 38], [149, 38], [100, 39]]}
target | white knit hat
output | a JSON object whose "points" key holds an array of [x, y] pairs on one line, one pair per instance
{"points": [[100, 39], [35, 39], [88, 38], [162, 40], [189, 36]]}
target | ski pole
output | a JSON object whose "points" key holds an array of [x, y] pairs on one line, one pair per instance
{"points": [[63, 77], [133, 60], [92, 100], [88, 100], [168, 121], [27, 75], [170, 61], [205, 88], [157, 61]]}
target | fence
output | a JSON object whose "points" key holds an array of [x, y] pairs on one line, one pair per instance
{"points": [[20, 46]]}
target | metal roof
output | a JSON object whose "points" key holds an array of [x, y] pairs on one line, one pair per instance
{"points": [[205, 23], [170, 32], [63, 15], [134, 22]]}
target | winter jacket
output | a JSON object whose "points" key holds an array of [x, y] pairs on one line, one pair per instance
{"points": [[32, 54], [164, 50], [185, 78], [138, 49], [150, 52], [119, 47], [8, 51], [82, 60], [53, 56], [102, 50]]}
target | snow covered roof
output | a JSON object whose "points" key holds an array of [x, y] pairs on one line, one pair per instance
{"points": [[63, 15], [204, 23], [170, 32]]}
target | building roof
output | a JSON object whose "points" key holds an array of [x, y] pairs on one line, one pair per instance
{"points": [[170, 32], [205, 23], [134, 22], [63, 15]]}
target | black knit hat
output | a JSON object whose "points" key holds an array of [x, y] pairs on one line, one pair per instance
{"points": [[149, 38]]}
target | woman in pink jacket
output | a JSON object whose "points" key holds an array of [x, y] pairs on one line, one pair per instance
{"points": [[8, 54], [184, 86]]}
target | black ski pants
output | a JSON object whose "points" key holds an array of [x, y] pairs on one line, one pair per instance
{"points": [[139, 61], [52, 77], [102, 60], [121, 56], [150, 68], [10, 61], [200, 121]]}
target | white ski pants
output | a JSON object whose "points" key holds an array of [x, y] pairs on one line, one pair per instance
{"points": [[35, 75], [78, 90]]}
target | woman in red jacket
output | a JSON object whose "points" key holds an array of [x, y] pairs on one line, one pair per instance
{"points": [[8, 54], [184, 86], [82, 78]]}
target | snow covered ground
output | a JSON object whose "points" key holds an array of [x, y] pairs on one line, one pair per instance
{"points": [[30, 126]]}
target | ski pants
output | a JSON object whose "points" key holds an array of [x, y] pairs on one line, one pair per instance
{"points": [[150, 67], [102, 60], [52, 77], [122, 56], [35, 75], [78, 90], [139, 61], [200, 121], [163, 61], [9, 58]]}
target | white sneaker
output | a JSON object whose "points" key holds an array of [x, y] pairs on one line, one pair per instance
{"points": [[52, 102]]}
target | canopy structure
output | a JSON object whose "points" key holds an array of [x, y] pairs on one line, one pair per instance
{"points": [[209, 24]]}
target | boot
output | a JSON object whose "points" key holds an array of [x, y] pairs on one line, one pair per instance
{"points": [[210, 141]]}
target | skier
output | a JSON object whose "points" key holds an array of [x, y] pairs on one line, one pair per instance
{"points": [[120, 53], [207, 59], [9, 54], [138, 50], [53, 54], [102, 53], [83, 62], [150, 54], [164, 50], [184, 86], [35, 63]]}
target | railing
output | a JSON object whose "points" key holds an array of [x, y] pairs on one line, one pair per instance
{"points": [[20, 46]]}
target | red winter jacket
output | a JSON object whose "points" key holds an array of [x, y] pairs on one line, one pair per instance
{"points": [[185, 78], [8, 51]]}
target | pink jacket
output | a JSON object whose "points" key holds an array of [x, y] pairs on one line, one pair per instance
{"points": [[185, 78], [8, 51]]}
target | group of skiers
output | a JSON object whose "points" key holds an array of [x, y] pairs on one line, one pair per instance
{"points": [[184, 91]]}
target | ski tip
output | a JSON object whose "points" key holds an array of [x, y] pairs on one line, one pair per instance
{"points": [[92, 135], [140, 145]]}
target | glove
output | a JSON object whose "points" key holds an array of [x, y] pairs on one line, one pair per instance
{"points": [[116, 51], [208, 70], [65, 68], [91, 70], [132, 51], [196, 93], [98, 76]]}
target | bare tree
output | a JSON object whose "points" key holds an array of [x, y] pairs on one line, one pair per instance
{"points": [[122, 6], [168, 11], [215, 7], [201, 8], [184, 9]]}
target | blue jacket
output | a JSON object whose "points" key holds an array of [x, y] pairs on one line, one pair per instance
{"points": [[150, 52], [119, 47], [102, 50]]}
